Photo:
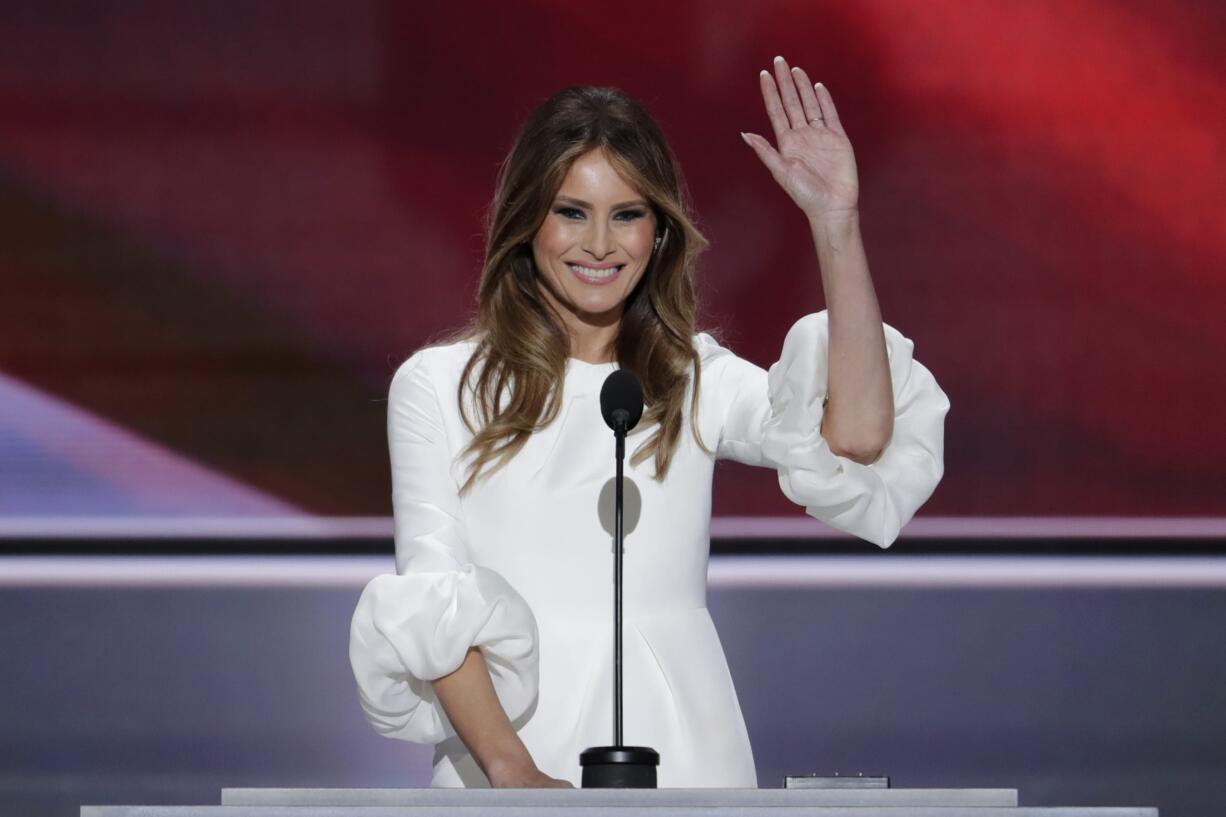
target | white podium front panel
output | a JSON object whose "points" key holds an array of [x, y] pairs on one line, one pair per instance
{"points": [[597, 807]]}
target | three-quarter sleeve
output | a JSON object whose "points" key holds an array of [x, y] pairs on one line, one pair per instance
{"points": [[417, 626], [774, 419]]}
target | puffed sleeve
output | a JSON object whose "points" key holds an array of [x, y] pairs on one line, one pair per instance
{"points": [[416, 626], [774, 419]]}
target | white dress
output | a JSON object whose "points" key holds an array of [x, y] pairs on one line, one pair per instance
{"points": [[522, 565]]}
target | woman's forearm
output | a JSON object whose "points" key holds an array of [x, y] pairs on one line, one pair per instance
{"points": [[859, 417], [467, 696]]}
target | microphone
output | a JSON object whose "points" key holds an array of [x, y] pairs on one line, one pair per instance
{"points": [[621, 405], [618, 766]]}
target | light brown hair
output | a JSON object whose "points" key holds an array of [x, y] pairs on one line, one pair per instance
{"points": [[522, 346]]}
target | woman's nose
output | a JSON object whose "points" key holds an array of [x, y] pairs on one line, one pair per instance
{"points": [[599, 241]]}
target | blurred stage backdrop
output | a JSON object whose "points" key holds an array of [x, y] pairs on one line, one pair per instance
{"points": [[223, 225]]}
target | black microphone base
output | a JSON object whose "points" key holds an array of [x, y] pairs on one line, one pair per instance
{"points": [[619, 767]]}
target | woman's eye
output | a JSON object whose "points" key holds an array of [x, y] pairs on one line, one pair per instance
{"points": [[624, 215]]}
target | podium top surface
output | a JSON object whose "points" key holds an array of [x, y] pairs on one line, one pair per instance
{"points": [[799, 797]]}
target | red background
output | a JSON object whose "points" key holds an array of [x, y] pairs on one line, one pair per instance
{"points": [[222, 225]]}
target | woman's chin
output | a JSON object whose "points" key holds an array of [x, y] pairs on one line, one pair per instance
{"points": [[599, 312]]}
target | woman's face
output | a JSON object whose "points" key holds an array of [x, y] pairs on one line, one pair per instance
{"points": [[594, 244]]}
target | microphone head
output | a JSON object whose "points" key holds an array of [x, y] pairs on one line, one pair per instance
{"points": [[621, 398]]}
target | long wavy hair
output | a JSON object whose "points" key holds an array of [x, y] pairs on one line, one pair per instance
{"points": [[517, 368]]}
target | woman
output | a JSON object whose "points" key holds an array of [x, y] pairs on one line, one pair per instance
{"points": [[493, 638]]}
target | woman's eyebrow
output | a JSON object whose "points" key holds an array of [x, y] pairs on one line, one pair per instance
{"points": [[582, 203]]}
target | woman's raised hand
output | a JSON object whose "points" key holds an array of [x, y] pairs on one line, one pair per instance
{"points": [[814, 163]]}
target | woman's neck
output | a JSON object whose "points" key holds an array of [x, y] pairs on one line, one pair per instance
{"points": [[593, 343], [593, 355]]}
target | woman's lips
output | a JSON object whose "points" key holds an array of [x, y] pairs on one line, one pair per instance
{"points": [[595, 275]]}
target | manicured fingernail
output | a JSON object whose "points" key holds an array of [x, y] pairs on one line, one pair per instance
{"points": [[818, 85], [778, 59], [763, 74], [746, 138]]}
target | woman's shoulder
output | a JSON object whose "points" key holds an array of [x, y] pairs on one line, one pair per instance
{"points": [[435, 366], [711, 347], [707, 343]]}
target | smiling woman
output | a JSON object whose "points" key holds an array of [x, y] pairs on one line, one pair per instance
{"points": [[492, 640]]}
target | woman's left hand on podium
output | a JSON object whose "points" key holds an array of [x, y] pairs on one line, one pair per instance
{"points": [[524, 776]]}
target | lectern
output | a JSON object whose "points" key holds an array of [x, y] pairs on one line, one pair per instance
{"points": [[846, 799]]}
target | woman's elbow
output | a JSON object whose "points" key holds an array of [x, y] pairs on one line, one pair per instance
{"points": [[865, 446], [865, 452]]}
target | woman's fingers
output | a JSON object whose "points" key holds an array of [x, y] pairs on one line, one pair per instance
{"points": [[787, 89], [774, 106], [813, 109], [769, 156], [828, 110], [793, 102]]}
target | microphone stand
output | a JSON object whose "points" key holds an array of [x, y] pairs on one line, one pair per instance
{"points": [[619, 433], [618, 766]]}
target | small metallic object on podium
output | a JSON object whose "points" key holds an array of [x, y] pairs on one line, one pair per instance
{"points": [[838, 781]]}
